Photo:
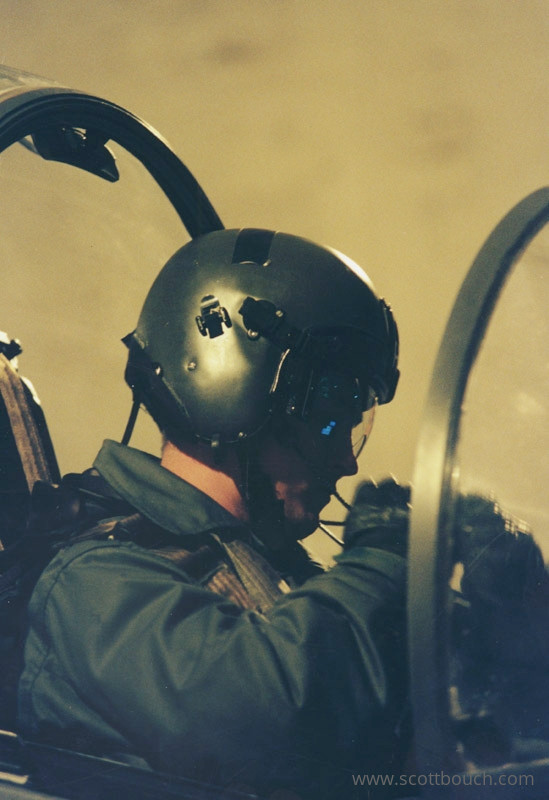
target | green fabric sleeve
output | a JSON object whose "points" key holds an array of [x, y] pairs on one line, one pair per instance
{"points": [[127, 652]]}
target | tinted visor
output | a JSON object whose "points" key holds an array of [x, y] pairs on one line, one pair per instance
{"points": [[333, 403], [335, 412]]}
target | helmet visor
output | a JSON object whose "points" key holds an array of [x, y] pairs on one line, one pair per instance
{"points": [[337, 413], [337, 409]]}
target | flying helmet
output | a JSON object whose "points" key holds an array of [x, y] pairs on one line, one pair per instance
{"points": [[243, 324]]}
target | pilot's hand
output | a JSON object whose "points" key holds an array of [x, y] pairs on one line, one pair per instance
{"points": [[379, 517]]}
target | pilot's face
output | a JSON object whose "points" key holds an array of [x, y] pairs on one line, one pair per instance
{"points": [[303, 472]]}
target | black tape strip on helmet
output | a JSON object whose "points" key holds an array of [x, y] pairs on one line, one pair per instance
{"points": [[253, 246]]}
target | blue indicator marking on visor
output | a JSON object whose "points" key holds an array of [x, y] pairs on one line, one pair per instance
{"points": [[328, 429]]}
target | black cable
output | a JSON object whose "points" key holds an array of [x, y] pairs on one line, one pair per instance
{"points": [[329, 533], [343, 502], [131, 421]]}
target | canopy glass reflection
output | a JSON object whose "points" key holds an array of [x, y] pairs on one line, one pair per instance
{"points": [[499, 639]]}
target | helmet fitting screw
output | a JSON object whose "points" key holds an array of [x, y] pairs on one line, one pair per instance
{"points": [[191, 366], [157, 370], [241, 435], [279, 313], [252, 334]]}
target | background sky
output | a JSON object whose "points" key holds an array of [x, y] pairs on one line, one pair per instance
{"points": [[397, 131]]}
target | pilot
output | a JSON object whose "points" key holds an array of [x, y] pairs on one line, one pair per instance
{"points": [[187, 628]]}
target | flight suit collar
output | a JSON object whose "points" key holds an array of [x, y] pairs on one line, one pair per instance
{"points": [[158, 494]]}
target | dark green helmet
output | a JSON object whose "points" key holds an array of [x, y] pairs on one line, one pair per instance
{"points": [[239, 322]]}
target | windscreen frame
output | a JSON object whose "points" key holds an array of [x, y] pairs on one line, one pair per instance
{"points": [[432, 495]]}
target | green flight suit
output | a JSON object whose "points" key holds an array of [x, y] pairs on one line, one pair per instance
{"points": [[128, 654]]}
